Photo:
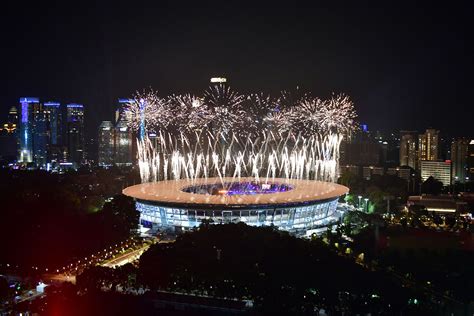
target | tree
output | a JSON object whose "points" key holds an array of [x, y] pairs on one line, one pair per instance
{"points": [[431, 186]]}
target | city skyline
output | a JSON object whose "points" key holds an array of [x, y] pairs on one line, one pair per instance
{"points": [[414, 77]]}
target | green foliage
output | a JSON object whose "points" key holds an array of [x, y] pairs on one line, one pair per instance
{"points": [[278, 271]]}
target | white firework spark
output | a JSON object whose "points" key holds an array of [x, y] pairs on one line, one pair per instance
{"points": [[190, 113], [225, 107], [225, 133]]}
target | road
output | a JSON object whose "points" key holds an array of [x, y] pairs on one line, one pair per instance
{"points": [[125, 258]]}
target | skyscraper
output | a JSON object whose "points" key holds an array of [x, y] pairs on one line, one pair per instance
{"points": [[40, 136], [8, 137], [106, 144], [408, 152], [121, 110], [123, 134], [75, 133], [13, 116], [459, 155], [54, 120], [470, 161], [428, 145], [26, 129], [123, 144]]}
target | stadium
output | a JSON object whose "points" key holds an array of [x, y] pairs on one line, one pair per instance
{"points": [[300, 207]]}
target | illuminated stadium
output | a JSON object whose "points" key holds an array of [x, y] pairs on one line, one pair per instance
{"points": [[225, 157], [297, 206]]}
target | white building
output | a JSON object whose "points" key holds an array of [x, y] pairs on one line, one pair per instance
{"points": [[440, 170]]}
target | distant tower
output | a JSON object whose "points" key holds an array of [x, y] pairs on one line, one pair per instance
{"points": [[123, 144], [470, 161], [54, 120], [12, 116], [459, 156], [121, 110], [26, 128], [428, 145], [408, 152], [142, 119], [40, 136], [75, 133], [106, 144], [124, 134]]}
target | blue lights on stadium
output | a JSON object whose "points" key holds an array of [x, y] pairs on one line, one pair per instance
{"points": [[75, 105], [238, 188], [300, 220]]}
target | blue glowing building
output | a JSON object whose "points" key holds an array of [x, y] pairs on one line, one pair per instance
{"points": [[27, 128]]}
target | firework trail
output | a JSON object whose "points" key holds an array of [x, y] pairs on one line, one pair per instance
{"points": [[227, 134]]}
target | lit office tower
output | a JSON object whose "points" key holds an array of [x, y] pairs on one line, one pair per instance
{"points": [[459, 152], [106, 144], [428, 145], [75, 133], [52, 111], [408, 154], [123, 134], [26, 129], [121, 110], [12, 116], [123, 144], [40, 136], [470, 161]]}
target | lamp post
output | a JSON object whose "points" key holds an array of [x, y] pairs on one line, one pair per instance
{"points": [[360, 197], [467, 179], [366, 204]]}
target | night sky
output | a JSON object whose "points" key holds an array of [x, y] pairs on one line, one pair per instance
{"points": [[406, 67]]}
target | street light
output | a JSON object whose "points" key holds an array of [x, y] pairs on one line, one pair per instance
{"points": [[366, 204], [360, 197]]}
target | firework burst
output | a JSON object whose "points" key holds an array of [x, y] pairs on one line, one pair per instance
{"points": [[224, 133]]}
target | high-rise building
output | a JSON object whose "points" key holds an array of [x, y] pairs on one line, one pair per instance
{"points": [[8, 137], [121, 110], [470, 161], [123, 144], [55, 127], [361, 150], [75, 133], [408, 150], [40, 136], [106, 144], [459, 155], [54, 119], [26, 129], [440, 170], [428, 145], [123, 133], [13, 115]]}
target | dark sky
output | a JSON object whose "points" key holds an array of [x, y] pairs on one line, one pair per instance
{"points": [[405, 66]]}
